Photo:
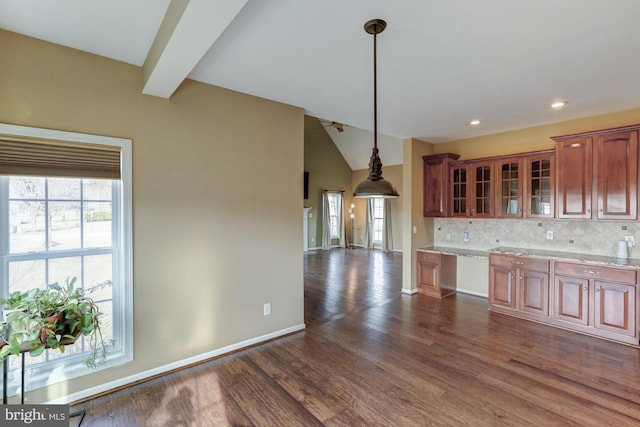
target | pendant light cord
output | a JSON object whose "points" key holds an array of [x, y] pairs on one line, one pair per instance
{"points": [[375, 91]]}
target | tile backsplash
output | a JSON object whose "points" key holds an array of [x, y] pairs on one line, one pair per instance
{"points": [[593, 237]]}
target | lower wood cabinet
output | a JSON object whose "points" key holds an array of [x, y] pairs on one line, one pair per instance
{"points": [[436, 274], [595, 300], [519, 283]]}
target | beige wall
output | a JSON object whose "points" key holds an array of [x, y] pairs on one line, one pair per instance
{"points": [[327, 170], [392, 174], [412, 152], [534, 138], [217, 198]]}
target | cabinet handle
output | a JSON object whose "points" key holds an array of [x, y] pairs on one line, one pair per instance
{"points": [[517, 262], [591, 272], [521, 278]]}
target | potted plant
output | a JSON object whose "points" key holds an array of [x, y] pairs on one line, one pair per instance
{"points": [[53, 318]]}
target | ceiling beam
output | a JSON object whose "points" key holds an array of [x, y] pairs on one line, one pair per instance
{"points": [[187, 32]]}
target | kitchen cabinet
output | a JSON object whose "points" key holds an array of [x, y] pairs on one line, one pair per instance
{"points": [[616, 164], [575, 177], [436, 274], [539, 185], [597, 300], [525, 185], [598, 171], [436, 184], [509, 188], [471, 189], [520, 284]]}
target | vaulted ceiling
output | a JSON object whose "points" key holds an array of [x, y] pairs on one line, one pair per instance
{"points": [[440, 63]]}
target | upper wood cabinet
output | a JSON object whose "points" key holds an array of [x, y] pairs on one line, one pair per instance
{"points": [[472, 189], [524, 185], [598, 171], [509, 188], [574, 176], [539, 185], [515, 186], [616, 163], [436, 184]]}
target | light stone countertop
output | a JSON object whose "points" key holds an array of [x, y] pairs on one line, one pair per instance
{"points": [[536, 253], [568, 256], [445, 250]]}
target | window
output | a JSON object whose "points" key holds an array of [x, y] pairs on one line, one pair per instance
{"points": [[53, 228], [378, 220], [334, 203]]}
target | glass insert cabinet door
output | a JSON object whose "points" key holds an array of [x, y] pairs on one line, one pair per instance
{"points": [[509, 203], [540, 195], [483, 194], [471, 190], [459, 191]]}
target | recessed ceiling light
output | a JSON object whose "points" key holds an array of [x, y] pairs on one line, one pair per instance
{"points": [[558, 104], [474, 122]]}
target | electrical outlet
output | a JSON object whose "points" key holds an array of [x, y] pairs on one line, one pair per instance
{"points": [[549, 234], [465, 236], [448, 236], [267, 309], [631, 241]]}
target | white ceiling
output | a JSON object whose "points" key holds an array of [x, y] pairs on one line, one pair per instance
{"points": [[440, 63]]}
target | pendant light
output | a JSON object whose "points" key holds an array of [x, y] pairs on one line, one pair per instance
{"points": [[375, 186]]}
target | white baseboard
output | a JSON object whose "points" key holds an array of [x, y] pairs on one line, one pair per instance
{"points": [[409, 291], [102, 388], [476, 293]]}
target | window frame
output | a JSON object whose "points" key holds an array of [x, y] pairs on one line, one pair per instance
{"points": [[58, 370], [377, 219], [334, 214]]}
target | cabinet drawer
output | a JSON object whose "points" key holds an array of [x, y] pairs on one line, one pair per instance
{"points": [[428, 257], [531, 264], [598, 273]]}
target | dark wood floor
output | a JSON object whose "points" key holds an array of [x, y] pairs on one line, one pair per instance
{"points": [[371, 356]]}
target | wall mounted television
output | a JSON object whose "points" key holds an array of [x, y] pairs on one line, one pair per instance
{"points": [[306, 185]]}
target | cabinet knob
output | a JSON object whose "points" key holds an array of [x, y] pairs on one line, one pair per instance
{"points": [[585, 288], [521, 278], [597, 289]]}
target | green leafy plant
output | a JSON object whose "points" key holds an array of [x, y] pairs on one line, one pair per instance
{"points": [[53, 318]]}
